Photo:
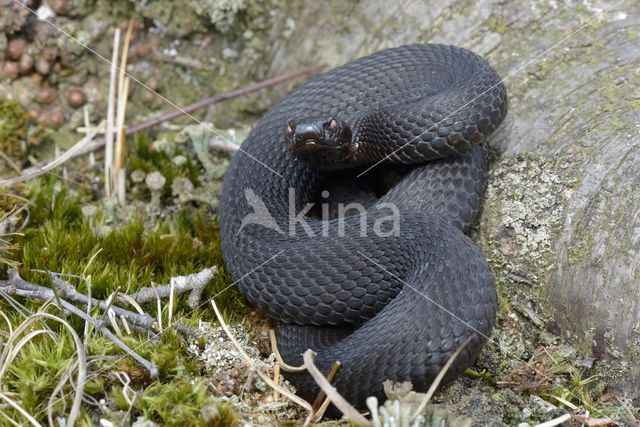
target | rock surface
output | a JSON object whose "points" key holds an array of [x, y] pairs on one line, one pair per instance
{"points": [[561, 223]]}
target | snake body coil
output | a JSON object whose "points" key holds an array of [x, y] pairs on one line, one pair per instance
{"points": [[391, 291]]}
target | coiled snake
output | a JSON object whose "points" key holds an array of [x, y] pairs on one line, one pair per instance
{"points": [[391, 291]]}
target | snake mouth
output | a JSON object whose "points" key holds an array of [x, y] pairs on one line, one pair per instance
{"points": [[316, 144]]}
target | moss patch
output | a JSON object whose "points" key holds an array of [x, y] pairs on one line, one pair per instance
{"points": [[18, 133]]}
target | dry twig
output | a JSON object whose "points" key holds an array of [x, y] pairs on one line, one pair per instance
{"points": [[236, 93], [74, 151], [143, 322]]}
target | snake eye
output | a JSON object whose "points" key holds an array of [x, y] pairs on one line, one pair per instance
{"points": [[333, 125], [289, 130]]}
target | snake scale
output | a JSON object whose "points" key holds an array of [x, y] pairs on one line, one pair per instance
{"points": [[392, 289]]}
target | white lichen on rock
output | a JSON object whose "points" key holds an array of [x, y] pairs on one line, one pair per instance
{"points": [[531, 198], [219, 353], [221, 13]]}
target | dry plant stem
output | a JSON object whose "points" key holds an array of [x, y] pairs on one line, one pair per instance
{"points": [[69, 154], [10, 162], [236, 93], [296, 399], [20, 409], [16, 286], [108, 139], [58, 390], [121, 108], [556, 421], [153, 369], [331, 392], [320, 398], [438, 380], [274, 348]]}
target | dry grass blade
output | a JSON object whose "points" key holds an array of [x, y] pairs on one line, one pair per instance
{"points": [[8, 322], [108, 137], [10, 162], [556, 421], [438, 380], [20, 409], [565, 402], [58, 391], [331, 392], [14, 352], [121, 108], [276, 352], [304, 404], [9, 354], [67, 155]]}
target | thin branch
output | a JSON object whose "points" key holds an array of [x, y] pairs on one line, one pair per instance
{"points": [[195, 283], [20, 287], [16, 286], [154, 372], [235, 93]]}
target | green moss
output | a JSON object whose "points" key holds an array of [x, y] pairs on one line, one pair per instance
{"points": [[127, 256], [581, 247], [37, 370], [143, 157], [497, 25], [183, 403], [17, 131]]}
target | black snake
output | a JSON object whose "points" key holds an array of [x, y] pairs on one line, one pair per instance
{"points": [[391, 291]]}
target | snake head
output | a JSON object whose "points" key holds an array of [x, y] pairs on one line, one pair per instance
{"points": [[322, 143]]}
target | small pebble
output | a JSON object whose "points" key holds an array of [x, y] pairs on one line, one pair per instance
{"points": [[42, 66], [76, 98], [36, 79], [11, 70], [56, 118], [46, 96], [33, 112], [15, 49], [26, 64], [50, 53], [60, 7]]}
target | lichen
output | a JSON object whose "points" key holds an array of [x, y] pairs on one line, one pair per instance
{"points": [[528, 194]]}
